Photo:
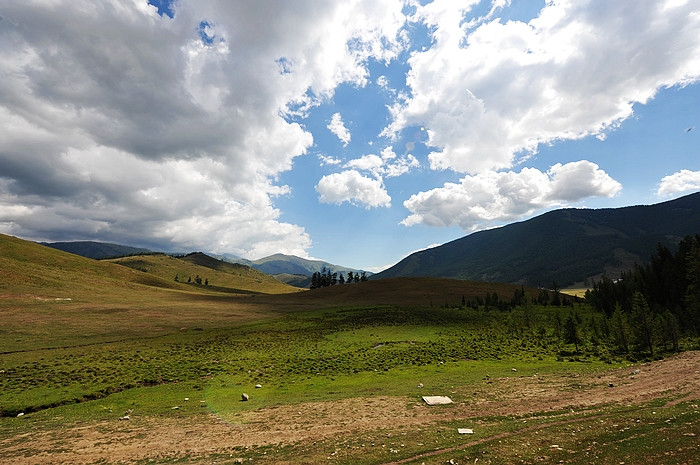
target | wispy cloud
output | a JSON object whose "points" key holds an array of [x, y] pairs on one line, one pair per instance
{"points": [[328, 160], [337, 127]]}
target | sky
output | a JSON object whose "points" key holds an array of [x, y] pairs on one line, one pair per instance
{"points": [[356, 132]]}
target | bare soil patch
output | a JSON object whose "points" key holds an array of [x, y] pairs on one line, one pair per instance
{"points": [[140, 439]]}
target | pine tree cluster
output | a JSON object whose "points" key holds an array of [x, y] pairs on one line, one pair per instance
{"points": [[653, 305], [327, 278]]}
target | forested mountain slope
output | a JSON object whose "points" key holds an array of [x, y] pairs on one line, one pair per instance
{"points": [[96, 250], [568, 246]]}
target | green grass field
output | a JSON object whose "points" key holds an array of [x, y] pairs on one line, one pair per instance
{"points": [[333, 375]]}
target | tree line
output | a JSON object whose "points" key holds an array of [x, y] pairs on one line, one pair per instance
{"points": [[197, 280], [327, 278], [545, 297], [647, 311], [653, 306]]}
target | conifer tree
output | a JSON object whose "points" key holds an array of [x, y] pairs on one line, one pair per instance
{"points": [[572, 333], [556, 301], [557, 325], [692, 292], [643, 323], [670, 330], [619, 330]]}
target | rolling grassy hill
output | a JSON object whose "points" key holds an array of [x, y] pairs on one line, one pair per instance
{"points": [[289, 269], [408, 292], [567, 245], [221, 276], [27, 267], [43, 289], [296, 280]]}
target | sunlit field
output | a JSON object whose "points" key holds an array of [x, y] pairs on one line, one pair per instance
{"points": [[103, 363]]}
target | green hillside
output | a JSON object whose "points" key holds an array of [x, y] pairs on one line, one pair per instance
{"points": [[53, 298], [408, 292], [296, 280], [220, 276], [27, 267], [568, 246]]}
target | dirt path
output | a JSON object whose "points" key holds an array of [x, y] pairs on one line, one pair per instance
{"points": [[677, 378]]}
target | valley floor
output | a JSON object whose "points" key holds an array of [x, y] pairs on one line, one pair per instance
{"points": [[551, 418]]}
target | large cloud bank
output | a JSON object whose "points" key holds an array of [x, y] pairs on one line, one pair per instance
{"points": [[122, 124], [506, 88]]}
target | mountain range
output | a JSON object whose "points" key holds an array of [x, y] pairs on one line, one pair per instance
{"points": [[567, 246], [289, 269], [96, 250], [295, 270]]}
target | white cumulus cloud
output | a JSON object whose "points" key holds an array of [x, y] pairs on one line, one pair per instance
{"points": [[369, 162], [388, 164], [682, 181], [351, 186], [576, 70], [401, 166], [365, 190], [493, 197]]}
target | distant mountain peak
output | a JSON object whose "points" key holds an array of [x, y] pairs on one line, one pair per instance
{"points": [[291, 264]]}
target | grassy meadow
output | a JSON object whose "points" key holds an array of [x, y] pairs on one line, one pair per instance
{"points": [[116, 362]]}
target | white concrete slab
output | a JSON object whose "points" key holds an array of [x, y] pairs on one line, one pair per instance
{"points": [[437, 400]]}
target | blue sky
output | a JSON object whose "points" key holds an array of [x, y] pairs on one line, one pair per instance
{"points": [[355, 132]]}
